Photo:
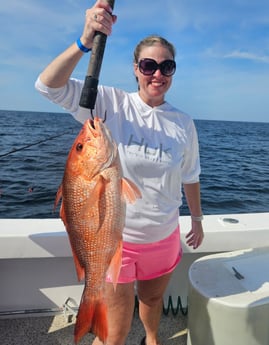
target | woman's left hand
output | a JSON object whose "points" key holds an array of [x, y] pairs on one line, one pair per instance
{"points": [[196, 235]]}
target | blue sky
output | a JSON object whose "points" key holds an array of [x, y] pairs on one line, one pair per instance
{"points": [[222, 51]]}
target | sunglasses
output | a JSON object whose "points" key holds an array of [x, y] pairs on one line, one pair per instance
{"points": [[150, 66]]}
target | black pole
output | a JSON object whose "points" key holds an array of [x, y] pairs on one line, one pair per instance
{"points": [[89, 91]]}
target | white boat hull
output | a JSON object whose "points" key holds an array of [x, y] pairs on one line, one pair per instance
{"points": [[37, 270]]}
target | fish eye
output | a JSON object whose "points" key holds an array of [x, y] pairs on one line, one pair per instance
{"points": [[79, 147]]}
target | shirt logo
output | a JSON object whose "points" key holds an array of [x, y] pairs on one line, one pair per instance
{"points": [[151, 153]]}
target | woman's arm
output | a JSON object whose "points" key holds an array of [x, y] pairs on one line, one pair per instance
{"points": [[57, 73], [196, 234]]}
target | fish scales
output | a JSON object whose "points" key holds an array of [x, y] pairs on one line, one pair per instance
{"points": [[94, 195]]}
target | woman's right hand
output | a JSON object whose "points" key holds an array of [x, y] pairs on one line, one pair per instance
{"points": [[98, 18]]}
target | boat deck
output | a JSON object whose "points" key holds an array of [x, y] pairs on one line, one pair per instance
{"points": [[37, 273], [56, 330]]}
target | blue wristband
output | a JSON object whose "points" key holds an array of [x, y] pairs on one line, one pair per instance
{"points": [[82, 47]]}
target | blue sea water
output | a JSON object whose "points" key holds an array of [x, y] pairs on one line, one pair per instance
{"points": [[234, 160]]}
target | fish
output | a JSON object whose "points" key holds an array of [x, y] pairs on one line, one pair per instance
{"points": [[94, 194]]}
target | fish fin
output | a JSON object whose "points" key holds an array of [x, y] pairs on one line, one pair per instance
{"points": [[97, 190], [62, 215], [79, 269], [95, 197], [130, 191], [92, 316], [115, 265], [94, 200], [58, 197]]}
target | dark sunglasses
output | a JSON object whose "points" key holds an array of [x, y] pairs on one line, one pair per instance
{"points": [[150, 66]]}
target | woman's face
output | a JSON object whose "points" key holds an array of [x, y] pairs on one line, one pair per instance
{"points": [[152, 88]]}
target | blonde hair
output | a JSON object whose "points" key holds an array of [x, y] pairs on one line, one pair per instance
{"points": [[150, 41]]}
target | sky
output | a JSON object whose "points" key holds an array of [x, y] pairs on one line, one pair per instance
{"points": [[222, 51]]}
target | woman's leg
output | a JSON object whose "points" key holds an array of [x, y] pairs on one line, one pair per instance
{"points": [[120, 304], [150, 293]]}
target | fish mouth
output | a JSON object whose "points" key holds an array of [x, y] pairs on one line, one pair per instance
{"points": [[93, 127], [96, 129], [91, 123], [95, 122]]}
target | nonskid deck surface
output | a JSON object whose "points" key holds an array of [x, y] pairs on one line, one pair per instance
{"points": [[56, 330]]}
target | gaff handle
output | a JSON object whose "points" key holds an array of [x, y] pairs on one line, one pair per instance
{"points": [[89, 91]]}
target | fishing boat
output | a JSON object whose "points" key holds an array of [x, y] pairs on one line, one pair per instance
{"points": [[38, 276]]}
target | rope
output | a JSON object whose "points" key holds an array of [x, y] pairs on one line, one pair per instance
{"points": [[33, 144]]}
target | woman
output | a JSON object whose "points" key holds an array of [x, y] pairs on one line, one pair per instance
{"points": [[159, 152]]}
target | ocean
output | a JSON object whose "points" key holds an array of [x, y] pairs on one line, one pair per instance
{"points": [[34, 148]]}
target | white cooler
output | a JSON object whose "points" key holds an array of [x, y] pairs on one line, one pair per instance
{"points": [[229, 299]]}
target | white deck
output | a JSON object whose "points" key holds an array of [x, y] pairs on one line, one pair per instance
{"points": [[36, 263]]}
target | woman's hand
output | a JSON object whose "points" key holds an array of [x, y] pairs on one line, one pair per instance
{"points": [[98, 18], [196, 235]]}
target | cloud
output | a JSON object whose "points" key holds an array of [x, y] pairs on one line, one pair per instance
{"points": [[212, 37], [247, 56], [237, 54]]}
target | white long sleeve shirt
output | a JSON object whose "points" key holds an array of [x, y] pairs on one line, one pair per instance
{"points": [[158, 149]]}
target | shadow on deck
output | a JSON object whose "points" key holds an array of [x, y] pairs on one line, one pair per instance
{"points": [[48, 330]]}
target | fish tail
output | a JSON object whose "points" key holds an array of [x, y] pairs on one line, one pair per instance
{"points": [[92, 316]]}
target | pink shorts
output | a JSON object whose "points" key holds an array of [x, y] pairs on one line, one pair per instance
{"points": [[151, 260]]}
